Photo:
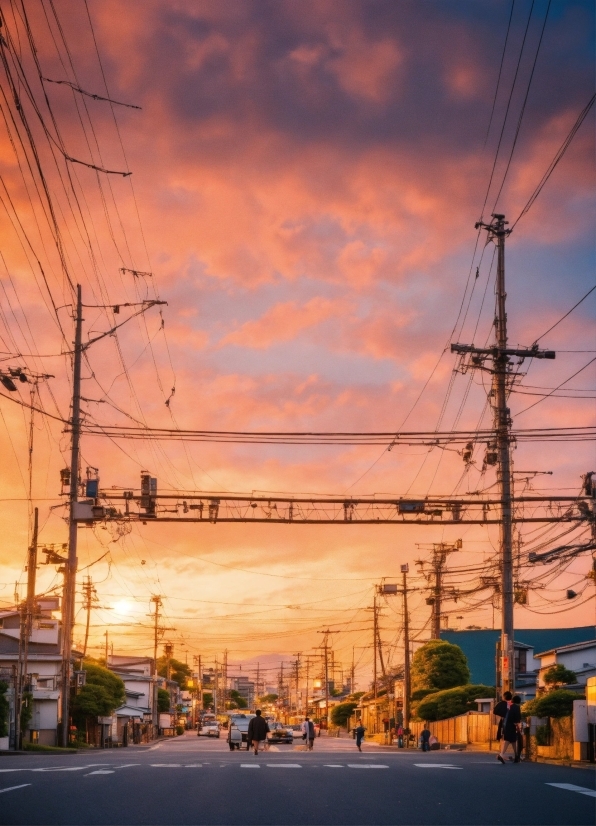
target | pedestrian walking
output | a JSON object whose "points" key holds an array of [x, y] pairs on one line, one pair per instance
{"points": [[425, 738], [359, 732], [400, 737], [257, 731], [519, 743], [511, 726], [308, 733], [500, 711]]}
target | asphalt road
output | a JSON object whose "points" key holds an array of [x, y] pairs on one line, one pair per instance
{"points": [[190, 780]]}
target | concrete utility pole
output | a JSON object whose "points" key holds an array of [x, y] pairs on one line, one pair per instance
{"points": [[26, 627], [326, 648], [440, 552], [502, 379], [407, 689], [68, 602], [297, 678], [90, 598]]}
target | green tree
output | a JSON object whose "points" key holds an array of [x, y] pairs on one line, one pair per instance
{"points": [[438, 665], [452, 701], [558, 675], [163, 699], [207, 699], [101, 695], [3, 709], [180, 672], [236, 701], [268, 698], [558, 703], [341, 713]]}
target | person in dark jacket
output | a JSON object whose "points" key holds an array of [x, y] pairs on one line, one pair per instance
{"points": [[500, 710], [359, 734], [257, 730], [425, 737], [511, 727], [519, 745]]}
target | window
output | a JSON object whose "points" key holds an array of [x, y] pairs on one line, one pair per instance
{"points": [[521, 660]]}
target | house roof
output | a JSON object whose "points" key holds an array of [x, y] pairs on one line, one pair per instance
{"points": [[479, 646], [131, 711], [577, 646]]}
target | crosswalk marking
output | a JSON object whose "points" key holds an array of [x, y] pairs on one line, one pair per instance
{"points": [[12, 788], [437, 766], [334, 765], [570, 787], [249, 766], [166, 765], [366, 766], [284, 765]]}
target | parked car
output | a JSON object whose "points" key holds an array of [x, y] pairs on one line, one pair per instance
{"points": [[297, 732], [208, 728], [279, 733]]}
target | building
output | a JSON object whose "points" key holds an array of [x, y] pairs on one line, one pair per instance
{"points": [[579, 658], [136, 720], [44, 662], [245, 688]]}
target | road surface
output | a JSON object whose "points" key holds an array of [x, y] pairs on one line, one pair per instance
{"points": [[191, 780]]}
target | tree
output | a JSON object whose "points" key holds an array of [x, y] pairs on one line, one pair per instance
{"points": [[558, 675], [341, 713], [236, 700], [101, 695], [439, 665], [452, 701], [267, 699], [558, 703], [179, 671], [163, 700], [207, 699]]}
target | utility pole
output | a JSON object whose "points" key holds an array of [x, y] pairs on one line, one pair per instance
{"points": [[502, 379], [297, 677], [156, 600], [106, 652], [407, 689], [71, 562], [168, 651], [326, 648], [440, 552], [353, 672], [90, 598], [258, 680], [26, 627]]}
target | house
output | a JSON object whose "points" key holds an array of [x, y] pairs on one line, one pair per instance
{"points": [[480, 645], [579, 657], [245, 688], [44, 663], [136, 720]]}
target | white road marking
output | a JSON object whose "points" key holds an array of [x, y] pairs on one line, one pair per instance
{"points": [[69, 768], [334, 765], [154, 748], [437, 766], [249, 766], [13, 770], [101, 771], [193, 766], [284, 765], [166, 765], [572, 788], [127, 765], [12, 788], [366, 766]]}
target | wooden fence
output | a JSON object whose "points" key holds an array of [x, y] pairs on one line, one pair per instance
{"points": [[473, 727]]}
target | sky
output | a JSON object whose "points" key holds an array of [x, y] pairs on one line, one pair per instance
{"points": [[306, 179]]}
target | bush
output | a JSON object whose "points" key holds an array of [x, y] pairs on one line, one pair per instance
{"points": [[542, 736], [438, 665], [451, 702], [179, 730], [163, 700], [557, 703], [113, 685], [341, 713]]}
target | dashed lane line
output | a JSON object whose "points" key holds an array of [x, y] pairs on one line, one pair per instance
{"points": [[249, 766], [333, 765], [570, 787], [366, 766], [284, 765], [166, 765], [100, 771], [12, 788], [437, 766]]}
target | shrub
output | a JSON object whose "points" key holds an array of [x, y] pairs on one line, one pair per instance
{"points": [[453, 701], [341, 713], [557, 703], [558, 675], [542, 736], [179, 730], [438, 665], [163, 700]]}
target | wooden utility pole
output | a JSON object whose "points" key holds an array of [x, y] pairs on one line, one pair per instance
{"points": [[70, 574], [326, 647], [407, 687], [297, 678]]}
